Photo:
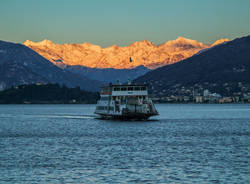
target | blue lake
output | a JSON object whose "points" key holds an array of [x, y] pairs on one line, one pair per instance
{"points": [[65, 144]]}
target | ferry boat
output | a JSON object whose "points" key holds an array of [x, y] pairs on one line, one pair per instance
{"points": [[125, 102]]}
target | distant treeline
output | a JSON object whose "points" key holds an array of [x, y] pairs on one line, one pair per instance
{"points": [[47, 94]]}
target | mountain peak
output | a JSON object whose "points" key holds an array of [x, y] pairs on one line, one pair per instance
{"points": [[181, 41], [86, 44], [112, 47], [28, 42], [46, 42], [41, 43], [180, 38], [92, 46], [220, 41], [143, 43]]}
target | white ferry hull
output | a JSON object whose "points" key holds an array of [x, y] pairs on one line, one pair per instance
{"points": [[128, 116]]}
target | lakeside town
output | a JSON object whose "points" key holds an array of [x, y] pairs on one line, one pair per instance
{"points": [[206, 93]]}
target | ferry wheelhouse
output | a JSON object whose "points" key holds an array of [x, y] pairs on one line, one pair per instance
{"points": [[125, 102]]}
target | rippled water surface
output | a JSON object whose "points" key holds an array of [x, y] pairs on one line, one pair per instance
{"points": [[66, 144]]}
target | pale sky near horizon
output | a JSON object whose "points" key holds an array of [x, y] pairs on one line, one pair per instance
{"points": [[108, 22]]}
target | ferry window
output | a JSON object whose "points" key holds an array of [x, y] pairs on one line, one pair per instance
{"points": [[105, 89], [100, 107], [143, 88], [137, 88], [130, 88], [124, 89], [111, 108], [117, 89], [104, 98]]}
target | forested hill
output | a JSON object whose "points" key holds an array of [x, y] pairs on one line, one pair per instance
{"points": [[47, 94], [218, 69]]}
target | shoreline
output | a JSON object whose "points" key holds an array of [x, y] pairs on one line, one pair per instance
{"points": [[45, 103]]}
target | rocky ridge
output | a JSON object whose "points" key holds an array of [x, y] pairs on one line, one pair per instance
{"points": [[142, 53]]}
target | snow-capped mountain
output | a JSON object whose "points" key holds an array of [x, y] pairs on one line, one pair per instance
{"points": [[141, 53]]}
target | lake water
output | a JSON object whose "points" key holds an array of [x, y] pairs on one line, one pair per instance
{"points": [[65, 144]]}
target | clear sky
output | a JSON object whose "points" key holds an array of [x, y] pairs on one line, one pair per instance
{"points": [[122, 22]]}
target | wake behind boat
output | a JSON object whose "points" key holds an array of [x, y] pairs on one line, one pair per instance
{"points": [[125, 102]]}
